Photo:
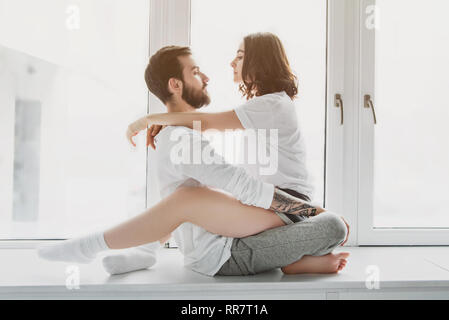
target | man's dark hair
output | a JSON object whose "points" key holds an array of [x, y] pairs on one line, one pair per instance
{"points": [[163, 65]]}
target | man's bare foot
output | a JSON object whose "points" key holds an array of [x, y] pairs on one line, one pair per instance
{"points": [[330, 263]]}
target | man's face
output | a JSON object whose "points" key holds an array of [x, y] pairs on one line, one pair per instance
{"points": [[195, 83]]}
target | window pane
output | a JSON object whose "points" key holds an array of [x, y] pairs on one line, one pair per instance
{"points": [[71, 80], [411, 138], [218, 27]]}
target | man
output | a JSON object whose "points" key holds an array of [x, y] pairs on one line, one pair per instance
{"points": [[174, 78]]}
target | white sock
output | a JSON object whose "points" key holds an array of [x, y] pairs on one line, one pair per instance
{"points": [[132, 259], [81, 250]]}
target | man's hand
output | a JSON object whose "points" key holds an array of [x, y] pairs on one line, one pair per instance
{"points": [[135, 127], [151, 133]]}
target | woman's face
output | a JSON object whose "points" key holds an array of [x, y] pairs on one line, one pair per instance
{"points": [[237, 63]]}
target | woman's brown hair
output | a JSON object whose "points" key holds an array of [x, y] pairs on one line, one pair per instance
{"points": [[265, 67]]}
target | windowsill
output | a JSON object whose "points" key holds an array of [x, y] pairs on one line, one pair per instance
{"points": [[405, 272]]}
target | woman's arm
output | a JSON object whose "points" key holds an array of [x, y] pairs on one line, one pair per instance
{"points": [[219, 121]]}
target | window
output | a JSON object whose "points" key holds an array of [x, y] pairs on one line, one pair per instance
{"points": [[217, 29], [411, 67], [404, 173], [71, 80]]}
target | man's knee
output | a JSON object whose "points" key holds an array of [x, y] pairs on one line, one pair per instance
{"points": [[336, 228]]}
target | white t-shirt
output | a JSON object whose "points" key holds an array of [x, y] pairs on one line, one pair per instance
{"points": [[277, 111], [203, 251]]}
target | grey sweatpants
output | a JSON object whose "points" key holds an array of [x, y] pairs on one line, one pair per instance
{"points": [[279, 247]]}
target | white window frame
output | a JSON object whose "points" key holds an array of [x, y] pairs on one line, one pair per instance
{"points": [[367, 233], [170, 24], [341, 155], [349, 147], [167, 26], [33, 243]]}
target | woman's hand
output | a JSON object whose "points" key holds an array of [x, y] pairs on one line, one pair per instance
{"points": [[135, 127], [151, 133]]}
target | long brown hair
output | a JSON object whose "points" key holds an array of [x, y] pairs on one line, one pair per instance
{"points": [[265, 67]]}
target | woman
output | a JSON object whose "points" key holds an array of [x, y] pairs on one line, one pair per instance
{"points": [[200, 205]]}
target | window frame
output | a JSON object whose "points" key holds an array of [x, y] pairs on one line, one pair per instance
{"points": [[367, 233], [341, 154], [348, 147], [31, 243]]}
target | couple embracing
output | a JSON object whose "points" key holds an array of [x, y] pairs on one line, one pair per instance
{"points": [[260, 222]]}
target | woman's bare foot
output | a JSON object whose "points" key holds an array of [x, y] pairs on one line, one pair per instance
{"points": [[330, 263]]}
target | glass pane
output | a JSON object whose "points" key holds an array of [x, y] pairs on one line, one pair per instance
{"points": [[71, 80], [411, 137], [218, 27]]}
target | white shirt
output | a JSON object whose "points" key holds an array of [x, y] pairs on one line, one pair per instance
{"points": [[277, 111], [203, 251]]}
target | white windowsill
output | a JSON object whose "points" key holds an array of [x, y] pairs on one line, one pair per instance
{"points": [[405, 273]]}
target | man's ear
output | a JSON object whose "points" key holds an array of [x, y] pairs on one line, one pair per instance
{"points": [[174, 85]]}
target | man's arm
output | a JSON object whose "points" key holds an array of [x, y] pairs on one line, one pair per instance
{"points": [[219, 121]]}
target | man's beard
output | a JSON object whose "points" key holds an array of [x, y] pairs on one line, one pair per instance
{"points": [[195, 99]]}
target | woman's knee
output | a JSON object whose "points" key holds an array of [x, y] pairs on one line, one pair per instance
{"points": [[185, 196], [184, 192], [182, 202], [189, 194]]}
